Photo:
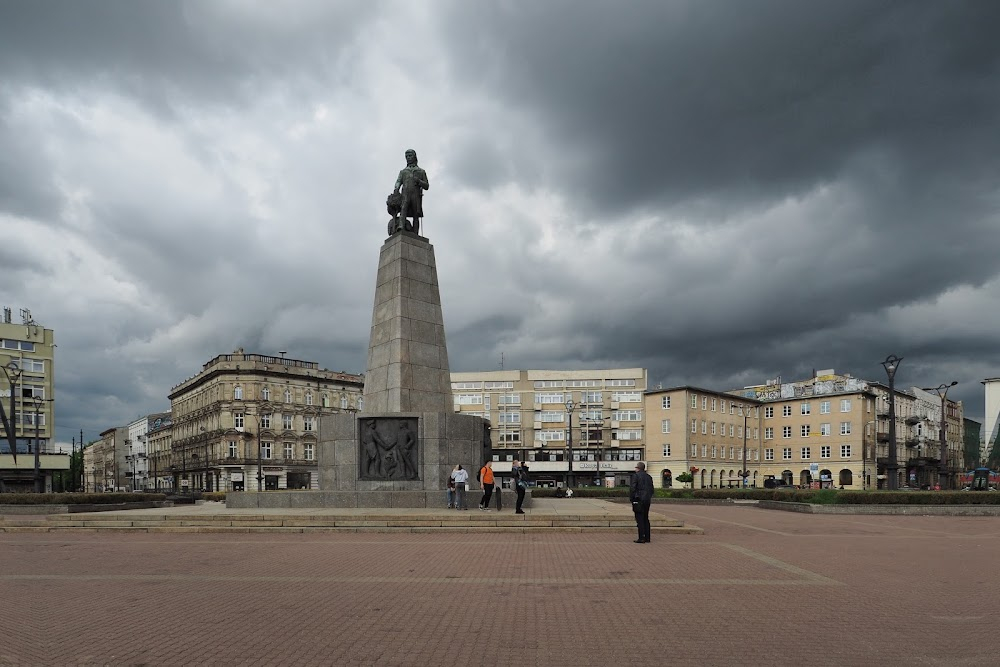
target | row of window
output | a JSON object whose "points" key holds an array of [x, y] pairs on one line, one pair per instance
{"points": [[719, 451], [556, 416], [717, 404], [805, 408], [541, 384], [287, 421], [266, 450], [805, 430], [265, 395], [586, 398], [805, 453], [735, 430], [22, 345]]}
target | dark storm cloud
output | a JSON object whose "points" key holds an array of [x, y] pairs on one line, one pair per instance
{"points": [[670, 102]]}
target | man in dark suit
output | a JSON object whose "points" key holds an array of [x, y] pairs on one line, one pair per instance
{"points": [[640, 492]]}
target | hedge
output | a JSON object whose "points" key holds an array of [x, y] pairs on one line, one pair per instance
{"points": [[77, 498], [811, 496]]}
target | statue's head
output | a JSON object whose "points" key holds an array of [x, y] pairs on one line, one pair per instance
{"points": [[411, 157]]}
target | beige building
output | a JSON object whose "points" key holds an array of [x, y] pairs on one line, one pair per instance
{"points": [[702, 432], [583, 427], [250, 421], [105, 462], [159, 451], [27, 394]]}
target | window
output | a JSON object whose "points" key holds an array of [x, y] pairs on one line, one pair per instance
{"points": [[288, 396], [769, 454], [732, 451], [265, 394], [786, 431], [845, 405], [694, 400], [509, 399], [507, 438], [731, 430], [627, 396], [32, 365], [786, 411], [704, 402], [806, 408], [626, 415], [824, 451], [550, 435], [694, 451], [289, 450], [238, 393], [265, 450], [469, 399], [666, 451], [238, 419], [769, 412], [17, 345], [845, 428], [324, 401], [704, 427], [233, 450], [265, 420], [714, 426], [309, 398], [786, 453], [715, 451], [551, 416], [665, 402], [824, 408], [627, 434], [824, 429], [769, 433], [509, 418], [621, 383], [466, 385], [548, 384], [715, 404], [308, 453], [549, 398], [665, 425], [739, 431], [704, 451], [361, 402], [694, 425], [286, 422], [805, 430], [307, 423], [343, 402], [806, 453], [722, 407], [845, 451], [499, 384]]}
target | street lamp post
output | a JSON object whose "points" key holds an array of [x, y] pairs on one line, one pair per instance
{"points": [[891, 364], [745, 411], [39, 486], [942, 391], [569, 442], [13, 373]]}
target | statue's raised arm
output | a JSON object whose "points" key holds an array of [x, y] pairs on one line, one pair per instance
{"points": [[406, 200]]}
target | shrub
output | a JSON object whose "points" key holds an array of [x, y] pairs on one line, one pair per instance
{"points": [[214, 495]]}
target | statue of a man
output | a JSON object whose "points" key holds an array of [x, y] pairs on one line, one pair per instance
{"points": [[411, 184]]}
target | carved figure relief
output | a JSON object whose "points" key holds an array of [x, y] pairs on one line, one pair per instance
{"points": [[388, 449]]}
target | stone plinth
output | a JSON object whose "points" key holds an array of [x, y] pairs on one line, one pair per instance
{"points": [[407, 354]]}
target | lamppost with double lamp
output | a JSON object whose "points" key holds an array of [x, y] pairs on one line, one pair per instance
{"points": [[745, 412], [569, 442], [39, 485], [942, 391], [13, 373], [891, 364]]}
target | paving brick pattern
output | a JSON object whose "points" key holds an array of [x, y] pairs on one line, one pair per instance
{"points": [[758, 587]]}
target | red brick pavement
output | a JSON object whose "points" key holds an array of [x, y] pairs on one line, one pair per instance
{"points": [[759, 587]]}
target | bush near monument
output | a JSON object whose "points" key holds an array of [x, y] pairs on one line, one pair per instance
{"points": [[78, 498]]}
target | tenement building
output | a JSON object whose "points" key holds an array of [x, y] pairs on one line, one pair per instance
{"points": [[581, 427], [26, 391], [708, 434], [249, 421]]}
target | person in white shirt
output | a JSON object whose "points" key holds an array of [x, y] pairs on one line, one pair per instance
{"points": [[461, 476]]}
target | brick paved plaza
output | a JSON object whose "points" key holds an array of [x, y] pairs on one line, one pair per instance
{"points": [[759, 587]]}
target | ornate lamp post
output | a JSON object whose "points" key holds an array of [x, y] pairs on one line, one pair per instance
{"points": [[745, 411], [942, 391], [569, 442], [13, 373], [39, 484], [891, 364]]}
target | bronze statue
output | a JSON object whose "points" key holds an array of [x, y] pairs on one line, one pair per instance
{"points": [[406, 200]]}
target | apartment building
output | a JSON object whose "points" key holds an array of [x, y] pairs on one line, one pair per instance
{"points": [[710, 434], [105, 463], [250, 421], [137, 457], [580, 427], [27, 395], [159, 450]]}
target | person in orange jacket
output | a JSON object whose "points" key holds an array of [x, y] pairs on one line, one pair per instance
{"points": [[486, 479]]}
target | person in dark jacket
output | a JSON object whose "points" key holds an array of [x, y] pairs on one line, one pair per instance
{"points": [[640, 492], [519, 477]]}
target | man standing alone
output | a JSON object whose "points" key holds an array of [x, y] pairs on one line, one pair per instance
{"points": [[520, 479], [461, 477], [486, 479], [640, 492]]}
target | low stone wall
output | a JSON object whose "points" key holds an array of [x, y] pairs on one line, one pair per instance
{"points": [[363, 499], [898, 510], [73, 509]]}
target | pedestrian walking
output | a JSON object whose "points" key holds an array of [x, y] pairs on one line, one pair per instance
{"points": [[640, 492], [486, 479], [461, 477], [520, 479], [450, 488]]}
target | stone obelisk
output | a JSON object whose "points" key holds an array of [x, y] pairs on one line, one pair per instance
{"points": [[399, 450]]}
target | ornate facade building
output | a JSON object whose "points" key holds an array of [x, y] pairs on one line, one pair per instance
{"points": [[250, 421]]}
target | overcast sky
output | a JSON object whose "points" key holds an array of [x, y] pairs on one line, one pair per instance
{"points": [[720, 192]]}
